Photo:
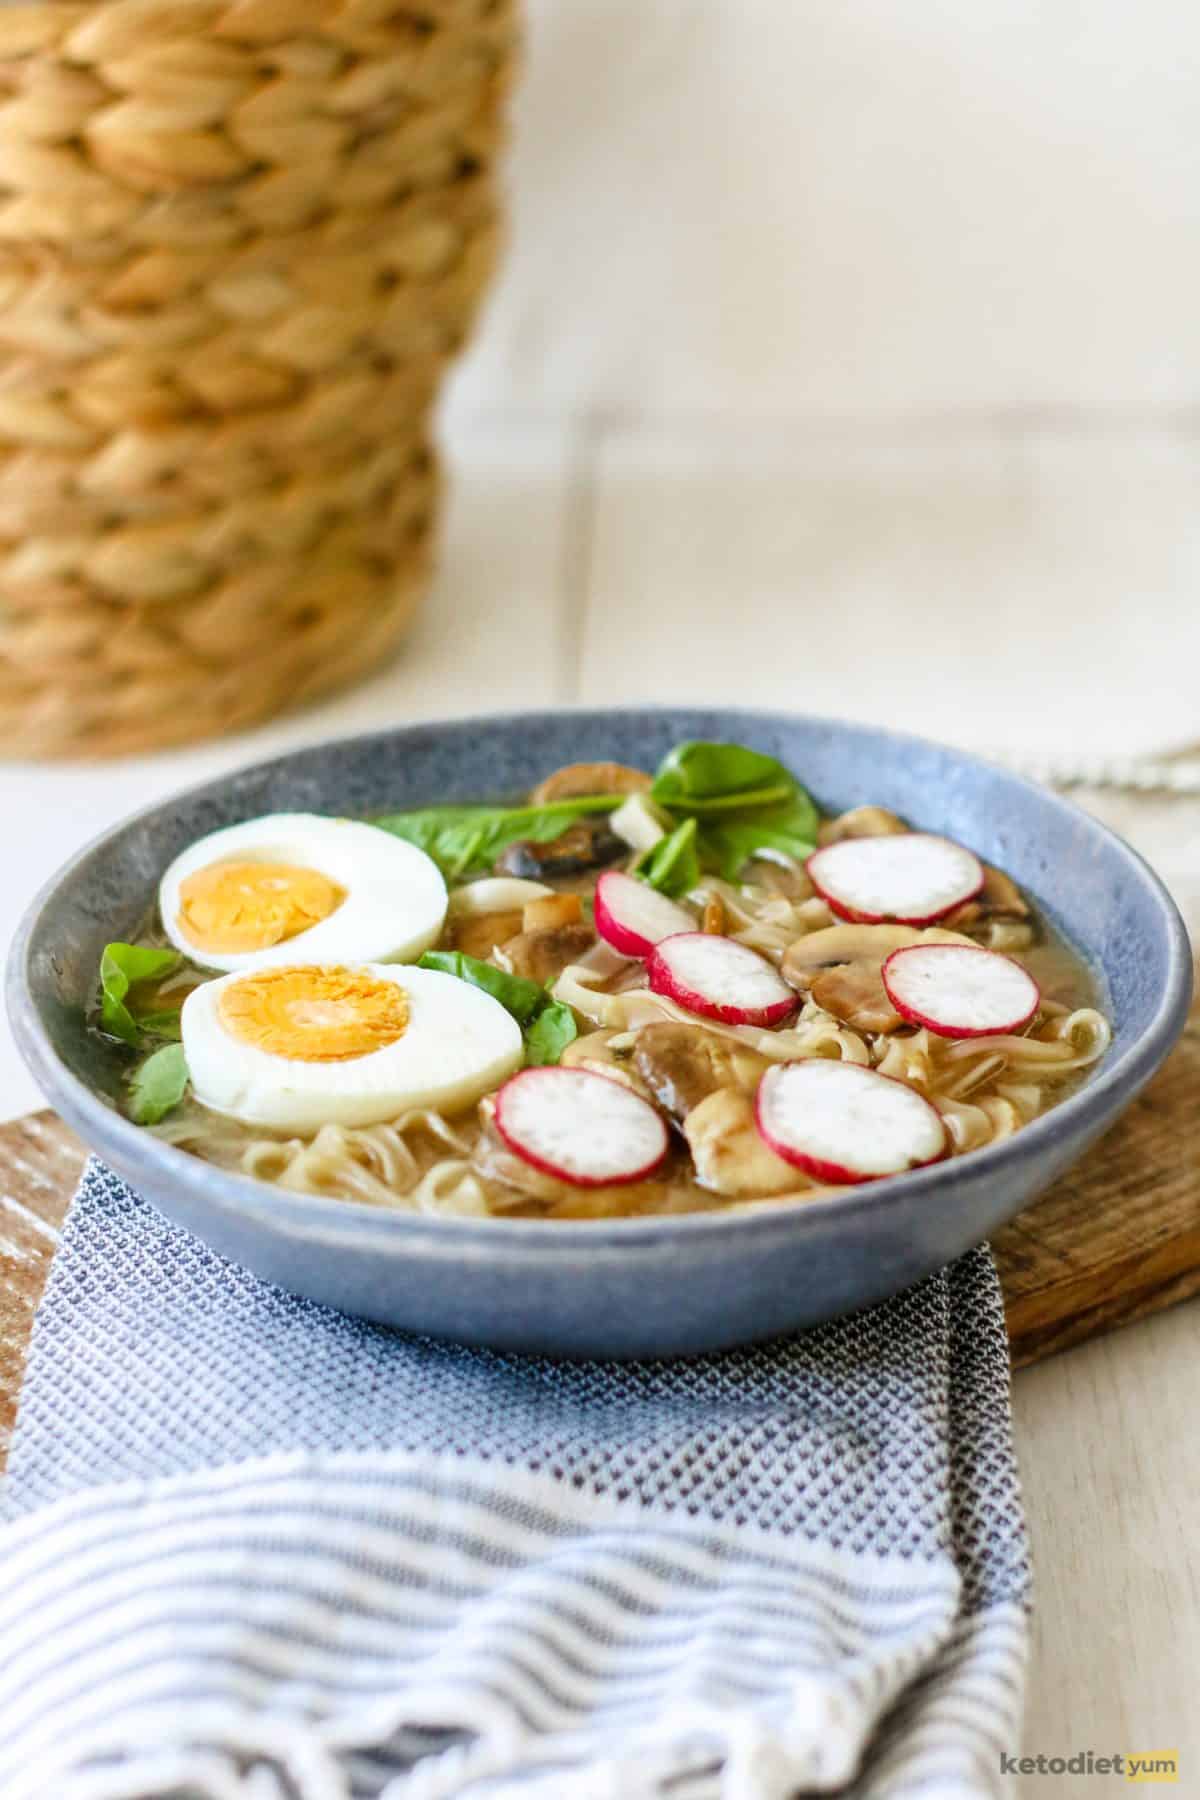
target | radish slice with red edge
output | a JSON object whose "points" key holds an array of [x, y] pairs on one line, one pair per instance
{"points": [[912, 877], [584, 1129], [841, 1123], [633, 917], [959, 991], [719, 979]]}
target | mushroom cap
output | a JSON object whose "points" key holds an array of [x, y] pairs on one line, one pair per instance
{"points": [[859, 822], [998, 898], [854, 993], [835, 945], [575, 780], [590, 844], [683, 1064], [542, 954], [729, 1153]]}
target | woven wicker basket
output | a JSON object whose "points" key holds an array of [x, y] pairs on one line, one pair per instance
{"points": [[238, 244]]}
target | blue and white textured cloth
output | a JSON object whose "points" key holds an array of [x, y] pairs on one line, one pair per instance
{"points": [[259, 1551]]}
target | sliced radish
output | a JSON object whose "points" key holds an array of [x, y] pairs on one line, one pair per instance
{"points": [[840, 1122], [719, 979], [913, 877], [633, 917], [960, 990], [583, 1128]]}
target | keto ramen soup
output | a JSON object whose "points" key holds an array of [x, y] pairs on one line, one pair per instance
{"points": [[628, 993]]}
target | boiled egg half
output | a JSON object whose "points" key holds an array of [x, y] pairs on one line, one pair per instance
{"points": [[308, 1044], [297, 887]]}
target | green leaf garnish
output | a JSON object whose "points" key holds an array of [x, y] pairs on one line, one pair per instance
{"points": [[673, 865], [159, 1024], [550, 1033], [466, 839], [548, 1025], [788, 830], [158, 1085], [698, 777], [122, 967], [746, 804], [523, 999]]}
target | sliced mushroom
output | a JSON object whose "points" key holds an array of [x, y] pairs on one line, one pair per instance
{"points": [[855, 994], [838, 945], [729, 1155], [998, 898], [589, 845], [682, 1065], [543, 955], [552, 909], [788, 881], [594, 1051], [478, 936], [576, 780], [860, 822], [493, 1159], [840, 968], [595, 1047], [1001, 893], [1007, 935]]}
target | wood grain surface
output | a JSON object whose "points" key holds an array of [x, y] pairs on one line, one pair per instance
{"points": [[1116, 1239], [40, 1160]]}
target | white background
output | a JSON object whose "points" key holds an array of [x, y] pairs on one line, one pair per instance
{"points": [[854, 211]]}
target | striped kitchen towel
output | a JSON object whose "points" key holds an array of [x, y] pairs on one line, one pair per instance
{"points": [[256, 1550]]}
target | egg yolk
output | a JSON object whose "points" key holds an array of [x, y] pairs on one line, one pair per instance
{"points": [[231, 907], [314, 1014]]}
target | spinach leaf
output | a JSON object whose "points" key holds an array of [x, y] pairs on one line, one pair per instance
{"points": [[551, 1032], [158, 1085], [462, 839], [123, 966], [744, 803], [523, 999], [159, 1024], [698, 777], [548, 1025], [790, 830], [672, 866]]}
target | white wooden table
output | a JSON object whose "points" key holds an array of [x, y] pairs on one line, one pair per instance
{"points": [[973, 586]]}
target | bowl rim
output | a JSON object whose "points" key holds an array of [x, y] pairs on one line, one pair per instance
{"points": [[319, 1217]]}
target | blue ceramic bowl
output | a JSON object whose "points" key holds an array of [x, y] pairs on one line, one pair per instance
{"points": [[630, 1287]]}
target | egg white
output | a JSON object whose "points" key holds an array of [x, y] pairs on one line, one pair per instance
{"points": [[458, 1045], [395, 903]]}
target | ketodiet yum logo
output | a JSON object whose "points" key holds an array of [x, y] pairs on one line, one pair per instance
{"points": [[1125, 1765]]}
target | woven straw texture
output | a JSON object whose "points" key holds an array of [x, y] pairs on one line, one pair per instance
{"points": [[238, 244]]}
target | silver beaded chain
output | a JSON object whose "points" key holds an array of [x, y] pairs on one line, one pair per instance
{"points": [[1133, 774]]}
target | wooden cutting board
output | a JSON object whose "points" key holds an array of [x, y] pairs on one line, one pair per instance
{"points": [[1117, 1238]]}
